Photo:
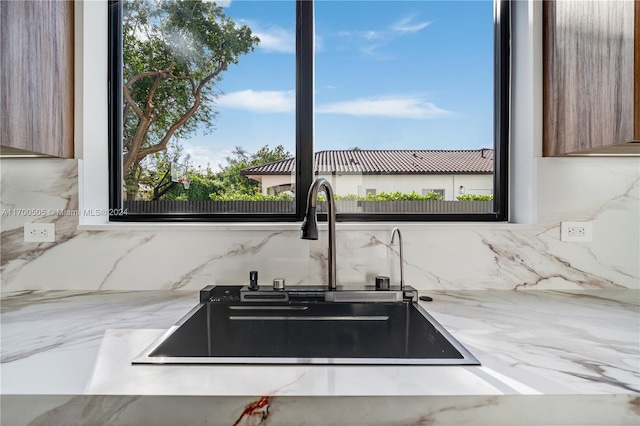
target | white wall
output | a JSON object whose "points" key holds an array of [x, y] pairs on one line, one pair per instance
{"points": [[438, 256], [270, 181], [358, 184]]}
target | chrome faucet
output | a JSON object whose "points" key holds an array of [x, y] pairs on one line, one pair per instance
{"points": [[310, 223], [395, 231]]}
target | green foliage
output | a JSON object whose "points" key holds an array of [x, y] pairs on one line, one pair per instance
{"points": [[385, 196], [202, 184], [399, 196], [474, 197], [225, 185], [236, 196], [231, 178], [174, 53], [346, 197], [230, 185], [155, 177]]}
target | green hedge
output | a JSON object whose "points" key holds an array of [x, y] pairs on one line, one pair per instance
{"points": [[387, 196], [474, 197], [382, 196], [250, 197]]}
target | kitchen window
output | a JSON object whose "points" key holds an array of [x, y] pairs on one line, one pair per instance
{"points": [[216, 113]]}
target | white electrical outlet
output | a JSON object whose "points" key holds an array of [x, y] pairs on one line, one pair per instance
{"points": [[576, 231], [39, 232]]}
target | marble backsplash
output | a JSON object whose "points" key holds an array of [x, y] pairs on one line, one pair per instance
{"points": [[437, 256]]}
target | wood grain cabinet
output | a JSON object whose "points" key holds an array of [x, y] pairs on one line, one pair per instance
{"points": [[591, 75], [36, 77]]}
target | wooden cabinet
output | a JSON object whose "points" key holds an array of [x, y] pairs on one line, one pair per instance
{"points": [[636, 72], [36, 77], [589, 75]]}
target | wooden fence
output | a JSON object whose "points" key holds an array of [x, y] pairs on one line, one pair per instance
{"points": [[342, 206]]}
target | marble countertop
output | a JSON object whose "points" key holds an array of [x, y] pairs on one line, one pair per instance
{"points": [[529, 343]]}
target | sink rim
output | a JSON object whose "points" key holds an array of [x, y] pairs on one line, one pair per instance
{"points": [[468, 359]]}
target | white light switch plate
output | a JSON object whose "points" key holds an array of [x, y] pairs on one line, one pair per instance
{"points": [[39, 232]]}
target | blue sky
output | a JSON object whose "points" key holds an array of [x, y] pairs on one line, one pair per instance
{"points": [[389, 75]]}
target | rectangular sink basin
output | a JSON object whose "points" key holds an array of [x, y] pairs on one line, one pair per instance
{"points": [[298, 332]]}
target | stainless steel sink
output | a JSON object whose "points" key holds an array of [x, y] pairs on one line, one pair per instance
{"points": [[224, 330]]}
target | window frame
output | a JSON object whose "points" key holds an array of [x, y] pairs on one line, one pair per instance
{"points": [[304, 130]]}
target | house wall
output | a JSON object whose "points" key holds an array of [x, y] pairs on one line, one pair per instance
{"points": [[270, 181], [358, 184]]}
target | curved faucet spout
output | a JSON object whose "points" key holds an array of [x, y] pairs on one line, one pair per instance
{"points": [[309, 229], [395, 231]]}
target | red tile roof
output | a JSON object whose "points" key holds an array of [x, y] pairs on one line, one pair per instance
{"points": [[389, 162]]}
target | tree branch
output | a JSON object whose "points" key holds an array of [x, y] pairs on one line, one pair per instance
{"points": [[146, 117], [136, 142], [161, 111], [127, 94], [183, 119], [152, 92]]}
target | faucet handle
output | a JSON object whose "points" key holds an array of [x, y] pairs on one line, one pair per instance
{"points": [[253, 281]]}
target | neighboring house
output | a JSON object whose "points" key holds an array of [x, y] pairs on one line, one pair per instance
{"points": [[449, 172]]}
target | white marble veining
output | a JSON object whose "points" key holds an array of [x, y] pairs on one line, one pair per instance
{"points": [[34, 191], [42, 329], [119, 347], [438, 257], [564, 410], [446, 257], [536, 347], [443, 258]]}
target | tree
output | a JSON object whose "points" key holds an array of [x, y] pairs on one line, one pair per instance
{"points": [[157, 177], [157, 170], [174, 52], [227, 184], [236, 183], [203, 183]]}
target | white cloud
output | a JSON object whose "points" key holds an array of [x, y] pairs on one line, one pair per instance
{"points": [[371, 35], [370, 42], [366, 35], [221, 3], [265, 101], [275, 39], [407, 25], [201, 156], [372, 49], [362, 35], [319, 43], [391, 107]]}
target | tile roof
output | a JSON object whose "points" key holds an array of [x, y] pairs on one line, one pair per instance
{"points": [[388, 162]]}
